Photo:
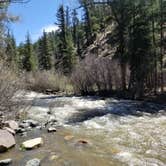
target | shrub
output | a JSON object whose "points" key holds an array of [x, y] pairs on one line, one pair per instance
{"points": [[44, 81], [9, 85], [93, 75]]}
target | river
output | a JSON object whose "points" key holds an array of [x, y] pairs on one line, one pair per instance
{"points": [[118, 132]]}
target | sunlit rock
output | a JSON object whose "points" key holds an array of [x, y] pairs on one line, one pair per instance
{"points": [[10, 130], [12, 124], [6, 140], [51, 129], [33, 143], [5, 162]]}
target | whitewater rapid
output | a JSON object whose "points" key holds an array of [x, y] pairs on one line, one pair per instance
{"points": [[130, 132]]}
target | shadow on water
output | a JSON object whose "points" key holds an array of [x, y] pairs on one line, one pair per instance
{"points": [[120, 108], [56, 100]]}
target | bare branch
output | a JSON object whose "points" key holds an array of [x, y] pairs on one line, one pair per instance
{"points": [[14, 1]]}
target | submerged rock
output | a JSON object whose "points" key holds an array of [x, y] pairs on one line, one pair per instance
{"points": [[7, 140], [33, 162], [82, 141], [68, 137], [39, 127], [33, 143], [24, 125], [5, 162], [53, 157], [20, 130]]}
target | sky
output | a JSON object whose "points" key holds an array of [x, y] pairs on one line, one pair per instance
{"points": [[36, 16]]}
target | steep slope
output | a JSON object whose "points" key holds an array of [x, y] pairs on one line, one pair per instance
{"points": [[102, 46]]}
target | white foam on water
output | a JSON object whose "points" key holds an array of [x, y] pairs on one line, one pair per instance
{"points": [[137, 137]]}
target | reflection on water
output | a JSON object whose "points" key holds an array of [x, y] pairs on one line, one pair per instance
{"points": [[118, 132]]}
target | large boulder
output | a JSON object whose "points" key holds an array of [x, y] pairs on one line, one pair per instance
{"points": [[33, 162], [12, 124], [33, 143], [7, 140], [10, 130]]}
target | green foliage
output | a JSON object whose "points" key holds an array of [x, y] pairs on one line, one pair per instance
{"points": [[65, 47], [28, 59], [136, 33], [44, 53]]}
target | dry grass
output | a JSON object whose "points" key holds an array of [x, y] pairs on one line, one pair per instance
{"points": [[44, 81]]}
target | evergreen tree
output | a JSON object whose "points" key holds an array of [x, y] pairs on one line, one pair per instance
{"points": [[20, 56], [140, 48], [162, 23], [87, 22], [28, 60], [66, 50], [44, 53], [11, 52], [75, 23], [121, 16]]}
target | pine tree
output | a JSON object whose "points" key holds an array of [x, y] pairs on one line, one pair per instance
{"points": [[28, 60], [44, 53], [140, 48], [120, 12], [75, 23], [11, 52], [65, 47], [20, 56], [87, 22], [162, 23]]}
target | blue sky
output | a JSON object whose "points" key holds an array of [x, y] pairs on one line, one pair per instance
{"points": [[36, 16]]}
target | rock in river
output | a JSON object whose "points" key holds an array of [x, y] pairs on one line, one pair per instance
{"points": [[33, 143], [5, 162], [82, 141], [51, 129], [7, 140], [31, 123], [10, 130], [12, 124], [33, 162], [68, 137]]}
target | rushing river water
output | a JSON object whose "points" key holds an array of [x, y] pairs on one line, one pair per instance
{"points": [[118, 132]]}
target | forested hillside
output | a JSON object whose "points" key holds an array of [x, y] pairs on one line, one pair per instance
{"points": [[116, 45]]}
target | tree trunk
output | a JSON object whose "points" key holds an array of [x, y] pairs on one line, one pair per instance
{"points": [[161, 46], [123, 75]]}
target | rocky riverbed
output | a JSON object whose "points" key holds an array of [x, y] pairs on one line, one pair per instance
{"points": [[89, 131]]}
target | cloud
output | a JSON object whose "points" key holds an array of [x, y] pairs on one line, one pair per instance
{"points": [[50, 28]]}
